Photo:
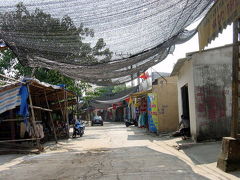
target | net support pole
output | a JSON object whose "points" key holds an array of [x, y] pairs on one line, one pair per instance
{"points": [[229, 159], [51, 119], [12, 123], [65, 111], [132, 78], [40, 148], [60, 106], [138, 78], [235, 81]]}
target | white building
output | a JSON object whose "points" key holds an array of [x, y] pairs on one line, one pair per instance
{"points": [[204, 91]]}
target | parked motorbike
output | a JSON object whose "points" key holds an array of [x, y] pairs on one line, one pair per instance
{"points": [[130, 122], [78, 129]]}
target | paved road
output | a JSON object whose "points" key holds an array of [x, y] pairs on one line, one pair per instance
{"points": [[109, 152]]}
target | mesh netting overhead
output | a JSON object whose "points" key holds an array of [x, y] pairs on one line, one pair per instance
{"points": [[104, 42]]}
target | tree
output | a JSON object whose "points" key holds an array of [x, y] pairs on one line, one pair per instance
{"points": [[119, 88], [39, 34], [102, 91], [10, 66]]}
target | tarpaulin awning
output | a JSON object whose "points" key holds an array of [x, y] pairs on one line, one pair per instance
{"points": [[223, 13], [16, 94], [9, 97]]}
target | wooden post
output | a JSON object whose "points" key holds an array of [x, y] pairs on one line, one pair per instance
{"points": [[60, 106], [12, 123], [50, 114], [77, 107], [138, 78], [235, 80], [132, 84], [65, 111], [40, 148]]}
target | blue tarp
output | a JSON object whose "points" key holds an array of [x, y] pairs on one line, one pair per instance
{"points": [[24, 97]]}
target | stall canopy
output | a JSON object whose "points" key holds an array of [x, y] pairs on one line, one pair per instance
{"points": [[103, 42], [141, 94], [9, 97], [13, 95], [223, 13]]}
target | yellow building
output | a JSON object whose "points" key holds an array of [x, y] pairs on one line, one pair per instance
{"points": [[166, 91]]}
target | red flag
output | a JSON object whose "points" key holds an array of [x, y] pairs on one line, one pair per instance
{"points": [[114, 106], [144, 75], [127, 99]]}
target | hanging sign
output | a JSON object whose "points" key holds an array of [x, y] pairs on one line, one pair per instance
{"points": [[223, 13]]}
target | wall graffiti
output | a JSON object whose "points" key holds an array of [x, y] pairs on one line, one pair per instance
{"points": [[162, 110], [212, 92], [210, 102]]}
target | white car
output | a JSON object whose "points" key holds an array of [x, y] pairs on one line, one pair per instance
{"points": [[97, 120]]}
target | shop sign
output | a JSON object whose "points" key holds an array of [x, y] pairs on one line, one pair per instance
{"points": [[152, 112], [223, 13]]}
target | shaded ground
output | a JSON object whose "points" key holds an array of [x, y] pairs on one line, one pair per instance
{"points": [[109, 152]]}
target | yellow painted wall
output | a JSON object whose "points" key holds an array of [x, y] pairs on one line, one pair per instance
{"points": [[167, 104]]}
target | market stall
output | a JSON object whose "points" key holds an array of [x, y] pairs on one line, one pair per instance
{"points": [[32, 112]]}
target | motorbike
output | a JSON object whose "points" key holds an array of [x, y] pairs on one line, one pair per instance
{"points": [[78, 129], [129, 122]]}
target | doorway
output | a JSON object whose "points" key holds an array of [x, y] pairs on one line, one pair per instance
{"points": [[185, 106], [185, 101]]}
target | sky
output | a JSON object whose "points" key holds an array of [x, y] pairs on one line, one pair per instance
{"points": [[191, 46]]}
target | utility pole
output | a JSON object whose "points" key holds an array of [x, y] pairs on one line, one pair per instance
{"points": [[229, 159], [132, 84], [138, 74], [235, 80]]}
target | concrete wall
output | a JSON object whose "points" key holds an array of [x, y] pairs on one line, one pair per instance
{"points": [[208, 76], [185, 77], [167, 104], [212, 83]]}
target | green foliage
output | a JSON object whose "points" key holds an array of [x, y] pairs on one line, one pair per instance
{"points": [[101, 91], [52, 38], [119, 88], [5, 60], [9, 64]]}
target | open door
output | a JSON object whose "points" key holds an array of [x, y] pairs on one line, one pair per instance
{"points": [[185, 102]]}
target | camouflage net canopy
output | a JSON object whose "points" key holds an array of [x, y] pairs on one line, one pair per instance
{"points": [[103, 42]]}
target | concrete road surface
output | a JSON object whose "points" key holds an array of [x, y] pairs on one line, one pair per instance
{"points": [[107, 152]]}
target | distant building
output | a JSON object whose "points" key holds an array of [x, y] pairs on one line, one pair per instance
{"points": [[156, 75], [204, 91]]}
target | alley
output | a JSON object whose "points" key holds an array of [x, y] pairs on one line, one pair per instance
{"points": [[109, 152]]}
